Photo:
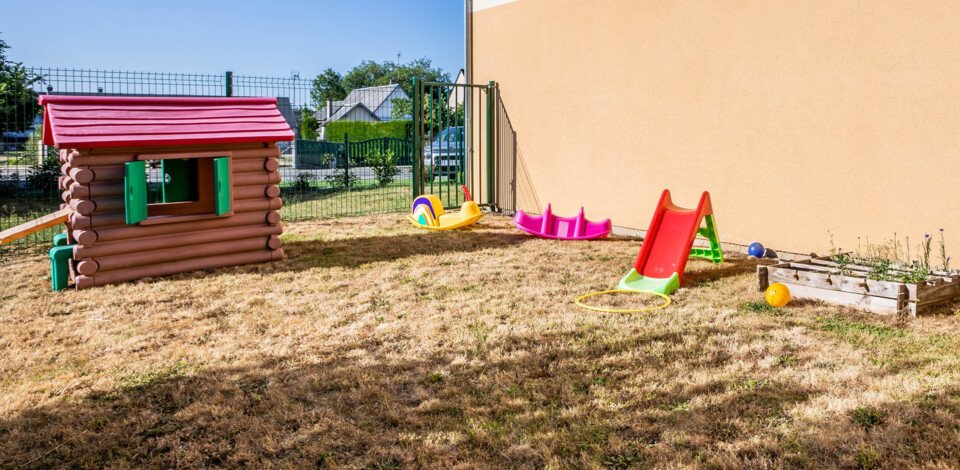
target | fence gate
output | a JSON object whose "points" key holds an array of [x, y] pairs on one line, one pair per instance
{"points": [[464, 137]]}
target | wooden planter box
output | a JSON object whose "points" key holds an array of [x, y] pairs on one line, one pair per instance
{"points": [[820, 279]]}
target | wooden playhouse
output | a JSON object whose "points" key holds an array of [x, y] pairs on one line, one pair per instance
{"points": [[157, 186]]}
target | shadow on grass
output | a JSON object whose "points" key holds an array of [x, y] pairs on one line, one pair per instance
{"points": [[697, 275], [357, 252], [518, 401], [568, 399], [361, 251]]}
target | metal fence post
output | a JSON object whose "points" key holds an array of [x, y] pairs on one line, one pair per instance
{"points": [[346, 161], [417, 149], [491, 140], [228, 83], [513, 183]]}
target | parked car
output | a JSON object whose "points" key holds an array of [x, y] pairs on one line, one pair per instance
{"points": [[445, 156]]}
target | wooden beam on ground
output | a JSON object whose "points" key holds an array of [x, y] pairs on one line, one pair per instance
{"points": [[35, 225]]}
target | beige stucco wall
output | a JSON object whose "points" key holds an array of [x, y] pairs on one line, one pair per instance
{"points": [[798, 116]]}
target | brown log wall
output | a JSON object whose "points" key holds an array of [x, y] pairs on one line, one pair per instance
{"points": [[174, 267], [89, 266], [107, 250]]}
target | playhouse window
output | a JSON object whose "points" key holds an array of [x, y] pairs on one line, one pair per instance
{"points": [[167, 189]]}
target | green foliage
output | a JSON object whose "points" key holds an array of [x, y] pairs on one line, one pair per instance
{"points": [[892, 260], [139, 381], [843, 260], [341, 179], [308, 124], [371, 73], [402, 109], [303, 181], [330, 85], [867, 416], [358, 130], [760, 306], [18, 101], [852, 329], [384, 166], [944, 259], [44, 176], [915, 275], [867, 458], [879, 269], [437, 118], [368, 73], [623, 461], [883, 269], [786, 360], [927, 240]]}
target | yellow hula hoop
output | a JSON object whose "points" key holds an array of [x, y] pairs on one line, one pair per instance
{"points": [[580, 303]]}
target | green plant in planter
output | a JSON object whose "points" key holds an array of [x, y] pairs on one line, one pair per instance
{"points": [[944, 259], [917, 274], [843, 260], [879, 269], [926, 247]]}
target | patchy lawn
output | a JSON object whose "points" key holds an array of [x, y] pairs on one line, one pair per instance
{"points": [[376, 345]]}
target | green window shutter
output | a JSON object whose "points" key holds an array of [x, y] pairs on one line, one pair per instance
{"points": [[179, 180], [135, 191], [221, 175]]}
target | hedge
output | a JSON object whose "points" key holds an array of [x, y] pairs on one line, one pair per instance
{"points": [[359, 130]]}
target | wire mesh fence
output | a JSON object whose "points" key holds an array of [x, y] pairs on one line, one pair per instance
{"points": [[332, 179], [352, 156]]}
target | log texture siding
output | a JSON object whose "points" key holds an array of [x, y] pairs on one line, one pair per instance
{"points": [[173, 236]]}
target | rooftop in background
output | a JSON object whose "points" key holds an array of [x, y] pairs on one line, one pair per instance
{"points": [[113, 121], [374, 100]]}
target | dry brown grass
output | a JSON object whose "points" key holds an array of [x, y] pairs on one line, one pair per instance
{"points": [[376, 345]]}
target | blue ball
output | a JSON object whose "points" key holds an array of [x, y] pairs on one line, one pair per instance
{"points": [[756, 250]]}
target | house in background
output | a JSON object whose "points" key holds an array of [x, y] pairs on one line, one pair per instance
{"points": [[456, 98], [370, 104]]}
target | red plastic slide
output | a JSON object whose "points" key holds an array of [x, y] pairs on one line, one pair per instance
{"points": [[669, 243]]}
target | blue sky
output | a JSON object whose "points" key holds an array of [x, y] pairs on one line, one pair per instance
{"points": [[267, 38]]}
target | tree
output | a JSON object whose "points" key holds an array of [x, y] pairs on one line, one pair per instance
{"points": [[368, 73], [421, 68], [18, 101], [308, 124], [328, 86], [331, 85], [402, 109]]}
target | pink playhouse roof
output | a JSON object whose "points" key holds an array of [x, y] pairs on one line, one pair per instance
{"points": [[121, 121]]}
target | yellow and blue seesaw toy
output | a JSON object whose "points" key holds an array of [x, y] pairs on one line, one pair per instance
{"points": [[427, 212]]}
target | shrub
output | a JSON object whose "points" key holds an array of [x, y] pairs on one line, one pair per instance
{"points": [[308, 124], [44, 176], [341, 179], [303, 181], [359, 130], [384, 166]]}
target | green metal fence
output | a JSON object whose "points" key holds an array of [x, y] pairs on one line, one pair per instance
{"points": [[331, 179], [461, 135], [319, 178], [466, 138]]}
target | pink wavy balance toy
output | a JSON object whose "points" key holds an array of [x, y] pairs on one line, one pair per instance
{"points": [[562, 228]]}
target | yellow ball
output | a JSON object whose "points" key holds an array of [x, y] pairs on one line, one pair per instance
{"points": [[778, 295]]}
